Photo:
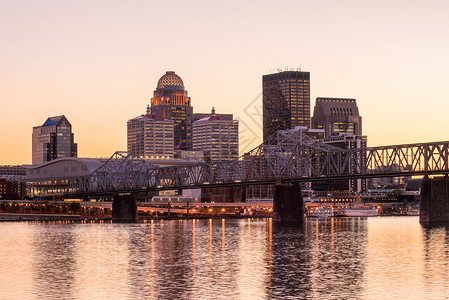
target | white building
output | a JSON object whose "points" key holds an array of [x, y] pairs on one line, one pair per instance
{"points": [[151, 136], [217, 136]]}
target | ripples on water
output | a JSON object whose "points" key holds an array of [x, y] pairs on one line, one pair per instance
{"points": [[375, 258]]}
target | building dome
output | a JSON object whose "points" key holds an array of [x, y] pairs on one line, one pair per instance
{"points": [[170, 81]]}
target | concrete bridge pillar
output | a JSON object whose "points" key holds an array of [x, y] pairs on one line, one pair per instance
{"points": [[288, 204], [434, 208], [124, 208]]}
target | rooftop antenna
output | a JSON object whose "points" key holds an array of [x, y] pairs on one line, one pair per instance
{"points": [[148, 109]]}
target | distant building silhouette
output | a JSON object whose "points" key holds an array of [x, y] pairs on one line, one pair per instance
{"points": [[54, 139]]}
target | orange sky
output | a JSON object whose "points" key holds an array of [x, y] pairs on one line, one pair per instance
{"points": [[98, 62]]}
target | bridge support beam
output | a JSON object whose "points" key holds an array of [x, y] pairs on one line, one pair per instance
{"points": [[124, 208], [434, 208], [288, 204]]}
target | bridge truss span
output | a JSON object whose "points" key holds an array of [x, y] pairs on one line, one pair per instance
{"points": [[412, 158], [287, 156]]}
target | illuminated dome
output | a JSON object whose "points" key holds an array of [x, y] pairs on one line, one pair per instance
{"points": [[170, 81]]}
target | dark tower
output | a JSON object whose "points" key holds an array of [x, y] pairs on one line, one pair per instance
{"points": [[286, 101]]}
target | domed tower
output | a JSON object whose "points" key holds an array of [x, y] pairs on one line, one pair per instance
{"points": [[170, 101]]}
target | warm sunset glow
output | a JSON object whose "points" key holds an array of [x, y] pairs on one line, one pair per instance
{"points": [[77, 59]]}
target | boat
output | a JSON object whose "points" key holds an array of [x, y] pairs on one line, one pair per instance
{"points": [[358, 212], [321, 213]]}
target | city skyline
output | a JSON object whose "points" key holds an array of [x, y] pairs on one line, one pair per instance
{"points": [[77, 60]]}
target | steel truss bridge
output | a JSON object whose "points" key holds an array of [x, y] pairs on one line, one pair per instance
{"points": [[288, 156]]}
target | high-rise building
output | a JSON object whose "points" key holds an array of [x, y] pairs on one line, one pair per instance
{"points": [[54, 139], [286, 101], [151, 135], [171, 101], [217, 137], [337, 116]]}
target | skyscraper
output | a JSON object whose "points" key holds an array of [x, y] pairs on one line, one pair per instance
{"points": [[54, 139], [171, 101], [286, 101], [337, 116], [150, 135], [217, 136]]}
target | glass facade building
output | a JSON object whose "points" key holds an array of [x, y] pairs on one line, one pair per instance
{"points": [[54, 139], [286, 101], [171, 101]]}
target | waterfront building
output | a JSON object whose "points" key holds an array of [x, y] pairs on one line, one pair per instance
{"points": [[10, 190], [52, 140], [217, 137], [286, 101], [389, 182], [337, 116], [171, 101], [12, 173], [11, 185], [151, 135], [224, 194]]}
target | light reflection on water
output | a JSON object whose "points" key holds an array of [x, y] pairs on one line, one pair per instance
{"points": [[355, 258]]}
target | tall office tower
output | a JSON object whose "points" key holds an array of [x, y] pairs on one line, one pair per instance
{"points": [[54, 139], [286, 101], [337, 116], [151, 135], [217, 137], [170, 101]]}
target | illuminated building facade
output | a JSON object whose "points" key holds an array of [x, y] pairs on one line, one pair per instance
{"points": [[217, 137], [337, 116], [286, 101], [54, 139], [171, 101], [150, 135]]}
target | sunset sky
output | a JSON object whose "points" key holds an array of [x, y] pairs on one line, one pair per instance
{"points": [[98, 63]]}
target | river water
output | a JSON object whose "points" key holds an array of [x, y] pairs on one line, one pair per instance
{"points": [[358, 258]]}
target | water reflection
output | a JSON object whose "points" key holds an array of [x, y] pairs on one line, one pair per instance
{"points": [[320, 259], [436, 261], [53, 262], [226, 259]]}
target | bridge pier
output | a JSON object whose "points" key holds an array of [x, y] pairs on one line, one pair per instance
{"points": [[124, 208], [288, 204], [434, 207]]}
